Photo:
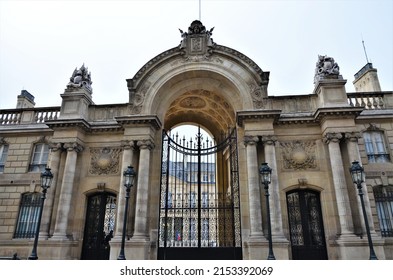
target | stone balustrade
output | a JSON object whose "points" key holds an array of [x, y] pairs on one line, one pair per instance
{"points": [[370, 100], [28, 115], [367, 100]]}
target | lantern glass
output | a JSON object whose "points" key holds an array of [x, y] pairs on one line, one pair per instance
{"points": [[357, 173], [129, 176], [46, 178], [265, 172]]}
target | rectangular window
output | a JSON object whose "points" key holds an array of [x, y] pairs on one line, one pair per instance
{"points": [[205, 200], [39, 158], [170, 200], [193, 200], [384, 205], [375, 147], [205, 229], [3, 156], [28, 215]]}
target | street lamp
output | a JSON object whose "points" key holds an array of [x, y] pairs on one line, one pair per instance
{"points": [[266, 173], [46, 181], [357, 173], [129, 177]]}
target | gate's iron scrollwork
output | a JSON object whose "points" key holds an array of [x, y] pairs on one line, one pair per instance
{"points": [[199, 204]]}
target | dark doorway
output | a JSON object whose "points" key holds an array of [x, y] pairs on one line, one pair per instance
{"points": [[100, 222], [200, 205], [306, 226]]}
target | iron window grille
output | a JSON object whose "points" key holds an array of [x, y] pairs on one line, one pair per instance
{"points": [[384, 204], [28, 215]]}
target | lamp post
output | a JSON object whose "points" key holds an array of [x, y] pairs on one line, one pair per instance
{"points": [[266, 173], [46, 181], [357, 173], [129, 177]]}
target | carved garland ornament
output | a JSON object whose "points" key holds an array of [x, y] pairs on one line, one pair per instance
{"points": [[299, 155], [104, 161]]}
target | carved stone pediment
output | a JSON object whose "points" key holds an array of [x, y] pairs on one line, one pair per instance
{"points": [[104, 161], [299, 155]]}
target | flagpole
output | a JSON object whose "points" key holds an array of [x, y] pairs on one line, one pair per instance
{"points": [[199, 10]]}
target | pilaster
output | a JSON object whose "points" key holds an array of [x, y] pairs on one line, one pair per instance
{"points": [[60, 231], [143, 190], [127, 159], [269, 143], [54, 164], [354, 154], [339, 183], [254, 194]]}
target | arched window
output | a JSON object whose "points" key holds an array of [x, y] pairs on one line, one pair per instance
{"points": [[384, 204], [39, 158], [28, 215], [374, 141]]}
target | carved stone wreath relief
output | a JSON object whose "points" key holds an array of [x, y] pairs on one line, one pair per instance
{"points": [[104, 161], [298, 155]]}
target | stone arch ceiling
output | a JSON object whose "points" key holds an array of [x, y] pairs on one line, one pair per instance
{"points": [[203, 107]]}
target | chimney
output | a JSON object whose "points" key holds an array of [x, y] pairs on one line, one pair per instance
{"points": [[366, 79], [25, 100]]}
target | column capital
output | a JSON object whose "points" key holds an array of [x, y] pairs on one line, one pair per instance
{"points": [[250, 140], [352, 136], [73, 146], [127, 144], [332, 137], [269, 140], [145, 144], [55, 147]]}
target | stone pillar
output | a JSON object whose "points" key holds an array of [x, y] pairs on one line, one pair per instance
{"points": [[53, 164], [60, 231], [339, 183], [354, 154], [128, 154], [142, 191], [254, 193], [274, 188]]}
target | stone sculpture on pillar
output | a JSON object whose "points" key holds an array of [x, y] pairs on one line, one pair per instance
{"points": [[80, 78], [326, 68]]}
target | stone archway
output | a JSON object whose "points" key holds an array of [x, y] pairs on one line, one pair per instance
{"points": [[197, 82]]}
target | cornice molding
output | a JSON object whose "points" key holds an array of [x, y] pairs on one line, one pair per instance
{"points": [[333, 112], [140, 121], [243, 116]]}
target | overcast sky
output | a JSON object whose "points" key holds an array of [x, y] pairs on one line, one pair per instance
{"points": [[42, 42]]}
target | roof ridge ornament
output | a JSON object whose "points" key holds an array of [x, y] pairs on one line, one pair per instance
{"points": [[197, 44]]}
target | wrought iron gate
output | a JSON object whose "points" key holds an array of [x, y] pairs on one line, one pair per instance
{"points": [[199, 204], [100, 222], [306, 226]]}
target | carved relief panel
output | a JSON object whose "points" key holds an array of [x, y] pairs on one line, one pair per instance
{"points": [[104, 161], [298, 155]]}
